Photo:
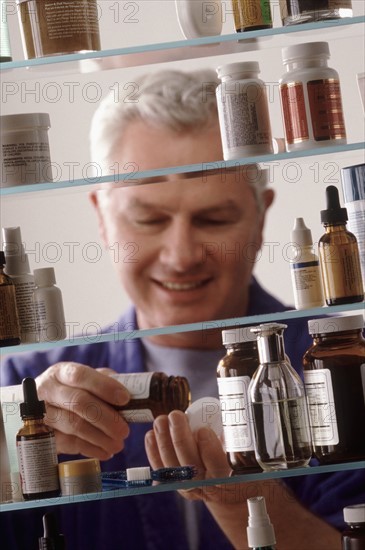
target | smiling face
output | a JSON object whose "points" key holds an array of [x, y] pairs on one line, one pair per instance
{"points": [[192, 241]]}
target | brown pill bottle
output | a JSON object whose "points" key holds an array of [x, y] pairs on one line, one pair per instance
{"points": [[234, 373], [152, 394], [334, 375]]}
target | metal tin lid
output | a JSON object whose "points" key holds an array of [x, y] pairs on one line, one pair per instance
{"points": [[237, 69], [82, 467], [238, 335], [354, 514], [353, 183], [24, 121], [308, 49], [335, 324]]}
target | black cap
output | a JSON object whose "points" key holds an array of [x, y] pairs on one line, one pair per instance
{"points": [[334, 213], [2, 258], [51, 539], [32, 407]]}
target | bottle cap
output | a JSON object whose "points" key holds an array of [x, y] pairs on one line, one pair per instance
{"points": [[44, 276], [84, 466], [235, 69], [335, 324], [260, 531], [238, 335], [354, 514], [17, 262], [308, 49], [31, 407], [205, 413], [51, 539], [333, 213], [25, 121], [353, 183], [301, 234]]}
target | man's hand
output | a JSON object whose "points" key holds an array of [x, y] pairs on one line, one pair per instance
{"points": [[80, 404]]}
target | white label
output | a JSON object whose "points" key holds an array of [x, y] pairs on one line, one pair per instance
{"points": [[307, 284], [137, 383], [356, 225], [237, 424], [322, 411], [38, 465]]}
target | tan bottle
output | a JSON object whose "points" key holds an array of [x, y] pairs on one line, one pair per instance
{"points": [[339, 255], [152, 394], [251, 15], [9, 320]]}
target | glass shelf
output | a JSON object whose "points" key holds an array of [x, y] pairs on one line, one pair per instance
{"points": [[164, 487], [136, 178], [116, 335], [166, 51]]}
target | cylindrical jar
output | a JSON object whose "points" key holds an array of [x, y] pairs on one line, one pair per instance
{"points": [[295, 12], [334, 379], [53, 27], [311, 99], [251, 15], [234, 374], [80, 476], [152, 394], [353, 537], [25, 155], [243, 111]]}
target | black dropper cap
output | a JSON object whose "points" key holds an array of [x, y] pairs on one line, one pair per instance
{"points": [[334, 213], [32, 407], [2, 258], [51, 539]]}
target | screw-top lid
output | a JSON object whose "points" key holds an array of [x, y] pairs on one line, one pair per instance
{"points": [[25, 121], [32, 407], [270, 342], [301, 234], [236, 69], [353, 183], [238, 335], [81, 467], [44, 276], [260, 531], [354, 514], [335, 324], [308, 49], [17, 262], [51, 537], [333, 213]]}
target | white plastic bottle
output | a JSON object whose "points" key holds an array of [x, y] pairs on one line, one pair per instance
{"points": [[17, 267], [50, 317], [260, 531], [305, 269], [243, 111], [311, 98]]}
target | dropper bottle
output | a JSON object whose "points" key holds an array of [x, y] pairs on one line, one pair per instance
{"points": [[51, 539], [339, 255], [260, 532]]}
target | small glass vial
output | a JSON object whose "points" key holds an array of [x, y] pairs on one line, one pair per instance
{"points": [[50, 317], [243, 111], [251, 15], [234, 374], [311, 99], [339, 255], [260, 531], [305, 269], [295, 12], [353, 537], [36, 448], [280, 413], [152, 394], [334, 381], [9, 319]]}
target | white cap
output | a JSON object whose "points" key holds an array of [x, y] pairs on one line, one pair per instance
{"points": [[238, 69], [44, 276], [238, 335], [205, 413], [301, 234], [17, 262], [260, 531], [354, 514], [25, 121], [335, 324], [308, 49]]}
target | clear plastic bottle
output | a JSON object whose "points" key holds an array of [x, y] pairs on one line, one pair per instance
{"points": [[334, 378], [295, 12], [234, 374], [152, 394], [9, 320], [339, 255], [353, 537], [305, 269], [243, 111], [280, 413], [50, 317], [311, 99]]}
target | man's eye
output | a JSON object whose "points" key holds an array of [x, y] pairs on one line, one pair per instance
{"points": [[150, 221], [215, 221]]}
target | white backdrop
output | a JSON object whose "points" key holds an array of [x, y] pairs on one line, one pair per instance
{"points": [[59, 228]]}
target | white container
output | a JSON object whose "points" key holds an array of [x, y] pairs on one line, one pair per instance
{"points": [[311, 98], [243, 111], [25, 155], [50, 317], [199, 18]]}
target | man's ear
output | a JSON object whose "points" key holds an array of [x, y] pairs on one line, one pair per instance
{"points": [[94, 197]]}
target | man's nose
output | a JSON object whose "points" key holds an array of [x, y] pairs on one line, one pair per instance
{"points": [[181, 250]]}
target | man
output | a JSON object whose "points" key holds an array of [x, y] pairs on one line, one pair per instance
{"points": [[180, 226]]}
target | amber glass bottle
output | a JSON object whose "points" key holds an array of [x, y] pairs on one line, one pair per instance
{"points": [[152, 394], [36, 448], [234, 373], [9, 320], [251, 15], [334, 381]]}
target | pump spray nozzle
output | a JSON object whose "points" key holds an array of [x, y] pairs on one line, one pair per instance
{"points": [[260, 532], [51, 539]]}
